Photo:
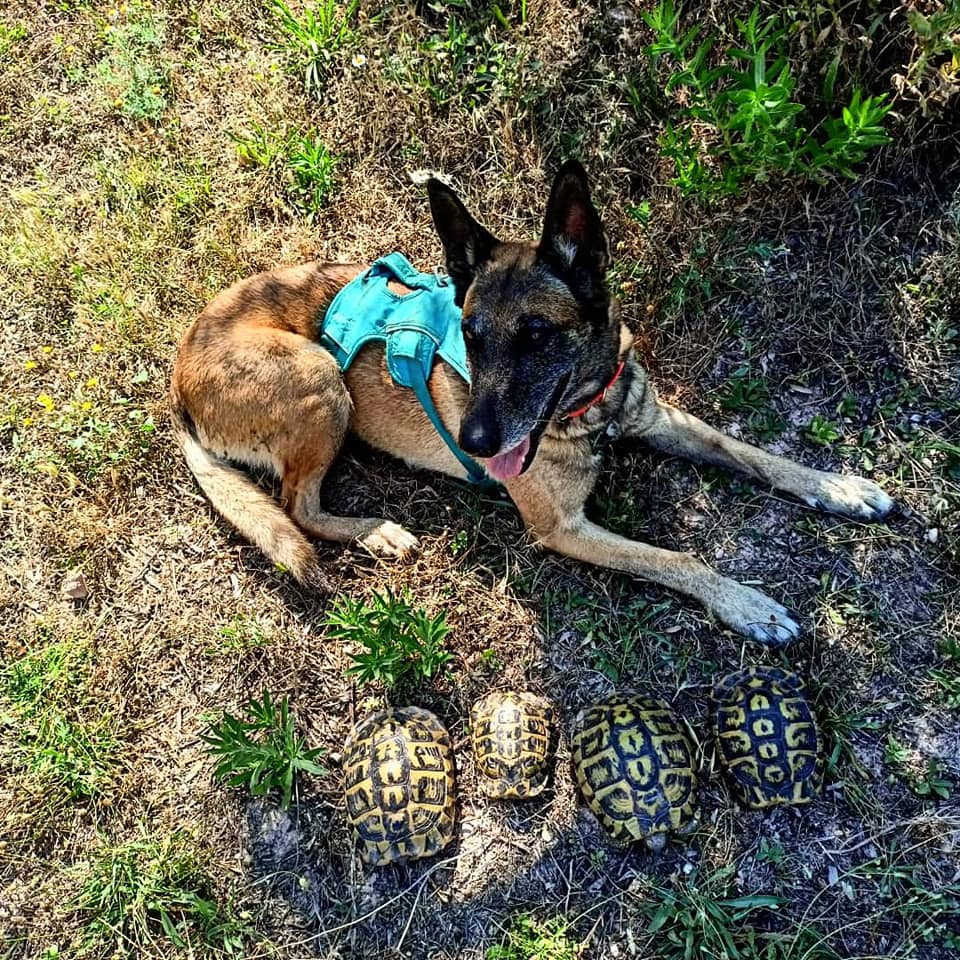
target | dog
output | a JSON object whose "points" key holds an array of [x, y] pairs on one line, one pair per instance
{"points": [[552, 376]]}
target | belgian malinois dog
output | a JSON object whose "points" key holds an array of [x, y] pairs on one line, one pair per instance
{"points": [[544, 344]]}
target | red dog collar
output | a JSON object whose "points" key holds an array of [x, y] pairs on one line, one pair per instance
{"points": [[599, 398]]}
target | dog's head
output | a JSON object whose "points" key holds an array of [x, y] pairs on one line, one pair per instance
{"points": [[540, 336]]}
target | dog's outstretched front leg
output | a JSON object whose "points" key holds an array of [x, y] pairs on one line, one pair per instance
{"points": [[741, 608], [675, 432]]}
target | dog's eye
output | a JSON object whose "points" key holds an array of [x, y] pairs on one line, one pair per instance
{"points": [[534, 328]]}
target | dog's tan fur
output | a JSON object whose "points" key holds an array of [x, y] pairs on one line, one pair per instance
{"points": [[252, 385]]}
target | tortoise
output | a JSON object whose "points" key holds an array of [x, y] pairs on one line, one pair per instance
{"points": [[399, 783], [635, 769], [767, 736], [511, 744]]}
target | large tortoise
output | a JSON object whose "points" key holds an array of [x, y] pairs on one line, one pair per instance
{"points": [[635, 768], [399, 781]]}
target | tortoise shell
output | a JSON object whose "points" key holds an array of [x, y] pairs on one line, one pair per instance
{"points": [[399, 781], [635, 768], [767, 736], [511, 744]]}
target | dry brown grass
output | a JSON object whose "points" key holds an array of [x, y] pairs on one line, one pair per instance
{"points": [[117, 230]]}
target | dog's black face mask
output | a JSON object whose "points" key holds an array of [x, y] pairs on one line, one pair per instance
{"points": [[536, 320]]}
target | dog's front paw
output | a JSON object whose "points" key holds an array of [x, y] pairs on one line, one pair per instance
{"points": [[853, 497], [754, 615], [389, 539]]}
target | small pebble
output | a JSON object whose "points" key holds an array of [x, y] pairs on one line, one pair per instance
{"points": [[933, 534]]}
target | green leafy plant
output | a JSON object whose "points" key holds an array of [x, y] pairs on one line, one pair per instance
{"points": [[740, 120], [134, 73], [315, 37], [697, 920], [312, 166], [263, 751], [400, 643], [154, 888], [532, 939], [821, 430]]}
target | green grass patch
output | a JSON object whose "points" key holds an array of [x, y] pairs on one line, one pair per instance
{"points": [[51, 730], [155, 893]]}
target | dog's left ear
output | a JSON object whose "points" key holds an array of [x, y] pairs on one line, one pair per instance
{"points": [[573, 242], [466, 244]]}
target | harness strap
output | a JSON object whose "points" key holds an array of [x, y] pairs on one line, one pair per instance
{"points": [[414, 371]]}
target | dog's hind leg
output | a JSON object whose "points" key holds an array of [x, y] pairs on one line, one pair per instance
{"points": [[319, 439], [671, 430]]}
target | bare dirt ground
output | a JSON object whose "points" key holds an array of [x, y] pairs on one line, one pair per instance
{"points": [[131, 615]]}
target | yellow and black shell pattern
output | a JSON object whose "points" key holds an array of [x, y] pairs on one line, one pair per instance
{"points": [[399, 781], [511, 734], [635, 769], [767, 736]]}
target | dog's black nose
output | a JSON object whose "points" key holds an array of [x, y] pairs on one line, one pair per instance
{"points": [[479, 436]]}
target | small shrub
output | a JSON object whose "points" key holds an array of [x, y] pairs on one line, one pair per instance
{"points": [[532, 939], [740, 120], [400, 643], [266, 762]]}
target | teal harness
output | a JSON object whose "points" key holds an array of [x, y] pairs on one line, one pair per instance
{"points": [[414, 328]]}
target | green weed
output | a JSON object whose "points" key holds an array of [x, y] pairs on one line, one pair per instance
{"points": [[930, 911], [151, 889], [743, 97], [263, 751], [822, 431], [134, 74], [312, 166], [82, 428], [400, 643], [51, 736], [306, 163], [312, 39], [10, 36], [933, 74], [464, 64], [749, 394], [947, 677], [532, 939], [929, 780], [238, 637], [701, 920]]}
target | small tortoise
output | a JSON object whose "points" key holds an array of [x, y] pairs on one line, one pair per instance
{"points": [[399, 781], [511, 744], [767, 736], [635, 769]]}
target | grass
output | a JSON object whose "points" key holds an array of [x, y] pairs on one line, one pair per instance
{"points": [[154, 893], [151, 155], [67, 750]]}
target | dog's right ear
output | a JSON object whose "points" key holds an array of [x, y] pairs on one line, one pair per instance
{"points": [[466, 244]]}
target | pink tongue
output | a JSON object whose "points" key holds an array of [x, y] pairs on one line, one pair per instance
{"points": [[509, 464]]}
